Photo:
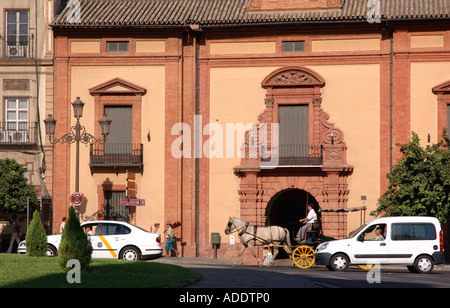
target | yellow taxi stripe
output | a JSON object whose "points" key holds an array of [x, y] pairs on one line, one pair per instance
{"points": [[108, 246]]}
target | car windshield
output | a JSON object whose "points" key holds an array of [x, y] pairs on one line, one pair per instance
{"points": [[354, 232]]}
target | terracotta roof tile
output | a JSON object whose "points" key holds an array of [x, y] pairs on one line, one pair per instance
{"points": [[107, 13]]}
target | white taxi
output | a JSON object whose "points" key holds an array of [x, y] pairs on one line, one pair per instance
{"points": [[112, 239]]}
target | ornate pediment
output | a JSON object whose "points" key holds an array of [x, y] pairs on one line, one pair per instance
{"points": [[293, 77], [117, 86], [442, 88]]}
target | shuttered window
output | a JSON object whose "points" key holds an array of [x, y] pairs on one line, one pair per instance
{"points": [[119, 140], [293, 129], [117, 46], [293, 46]]}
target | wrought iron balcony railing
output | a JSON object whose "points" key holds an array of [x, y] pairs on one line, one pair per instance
{"points": [[116, 155], [22, 133], [294, 154], [18, 47]]}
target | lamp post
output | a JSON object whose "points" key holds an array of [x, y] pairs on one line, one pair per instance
{"points": [[76, 135]]}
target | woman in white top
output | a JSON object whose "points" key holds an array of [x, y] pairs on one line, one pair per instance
{"points": [[307, 222]]}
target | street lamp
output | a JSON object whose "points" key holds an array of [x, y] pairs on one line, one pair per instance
{"points": [[78, 133]]}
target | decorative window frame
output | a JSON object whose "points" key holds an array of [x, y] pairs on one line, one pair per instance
{"points": [[443, 100], [119, 92]]}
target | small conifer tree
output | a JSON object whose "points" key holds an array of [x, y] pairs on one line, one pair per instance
{"points": [[74, 243], [36, 238]]}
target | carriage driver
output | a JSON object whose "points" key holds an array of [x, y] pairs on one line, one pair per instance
{"points": [[307, 222]]}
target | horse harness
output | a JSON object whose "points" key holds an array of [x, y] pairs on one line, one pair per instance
{"points": [[255, 238]]}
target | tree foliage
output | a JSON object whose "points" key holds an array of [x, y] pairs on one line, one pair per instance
{"points": [[74, 243], [419, 184], [14, 188], [36, 238]]}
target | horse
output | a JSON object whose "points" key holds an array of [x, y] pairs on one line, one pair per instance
{"points": [[258, 236]]}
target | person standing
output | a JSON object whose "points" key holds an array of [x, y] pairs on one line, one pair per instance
{"points": [[156, 225], [15, 236], [63, 225], [170, 240]]}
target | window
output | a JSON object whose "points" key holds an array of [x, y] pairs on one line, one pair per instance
{"points": [[114, 210], [119, 141], [16, 112], [91, 229], [413, 232], [117, 46], [293, 46], [374, 233], [293, 130], [17, 37], [113, 229]]}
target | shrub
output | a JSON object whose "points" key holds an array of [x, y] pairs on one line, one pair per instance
{"points": [[36, 238], [74, 243]]}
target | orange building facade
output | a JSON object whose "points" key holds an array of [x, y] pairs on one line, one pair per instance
{"points": [[244, 108]]}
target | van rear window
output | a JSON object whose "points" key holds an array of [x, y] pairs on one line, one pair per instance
{"points": [[413, 232]]}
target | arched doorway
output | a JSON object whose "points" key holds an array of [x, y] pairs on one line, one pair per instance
{"points": [[287, 207]]}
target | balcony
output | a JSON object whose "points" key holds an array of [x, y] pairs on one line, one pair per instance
{"points": [[22, 133], [116, 155], [294, 155], [18, 47]]}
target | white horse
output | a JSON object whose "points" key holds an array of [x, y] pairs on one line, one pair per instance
{"points": [[258, 236]]}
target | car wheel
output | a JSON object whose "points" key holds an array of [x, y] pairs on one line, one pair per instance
{"points": [[424, 264], [339, 262], [51, 251], [130, 254]]}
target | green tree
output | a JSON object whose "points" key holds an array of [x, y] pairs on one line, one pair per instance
{"points": [[74, 243], [14, 188], [419, 184], [36, 238]]}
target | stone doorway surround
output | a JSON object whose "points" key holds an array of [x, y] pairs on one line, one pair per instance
{"points": [[326, 181]]}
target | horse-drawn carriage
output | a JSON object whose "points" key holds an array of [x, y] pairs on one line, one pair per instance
{"points": [[302, 254]]}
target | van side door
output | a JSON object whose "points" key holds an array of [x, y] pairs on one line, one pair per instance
{"points": [[410, 239], [370, 245]]}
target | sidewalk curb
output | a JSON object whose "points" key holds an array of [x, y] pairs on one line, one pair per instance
{"points": [[182, 260], [281, 262]]}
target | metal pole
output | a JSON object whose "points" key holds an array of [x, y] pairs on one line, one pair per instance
{"points": [[77, 161]]}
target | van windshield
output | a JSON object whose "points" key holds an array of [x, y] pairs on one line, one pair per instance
{"points": [[354, 232]]}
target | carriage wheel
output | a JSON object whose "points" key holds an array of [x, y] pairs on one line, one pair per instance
{"points": [[367, 268], [303, 256]]}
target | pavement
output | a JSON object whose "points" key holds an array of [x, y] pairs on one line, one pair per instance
{"points": [[220, 273], [278, 262], [200, 261], [210, 261]]}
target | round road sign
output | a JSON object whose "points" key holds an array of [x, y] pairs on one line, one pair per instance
{"points": [[77, 199]]}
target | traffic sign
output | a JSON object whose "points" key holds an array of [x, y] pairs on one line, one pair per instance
{"points": [[132, 202], [77, 198], [131, 185]]}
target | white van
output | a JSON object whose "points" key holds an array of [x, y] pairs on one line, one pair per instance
{"points": [[416, 242]]}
